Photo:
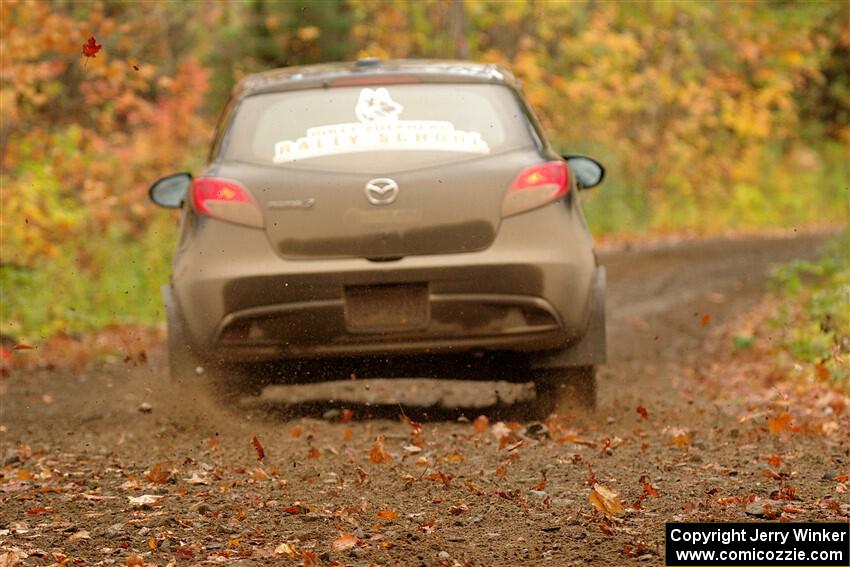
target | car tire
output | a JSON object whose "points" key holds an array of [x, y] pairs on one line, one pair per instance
{"points": [[570, 387]]}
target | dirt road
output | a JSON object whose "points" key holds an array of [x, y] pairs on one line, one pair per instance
{"points": [[88, 476]]}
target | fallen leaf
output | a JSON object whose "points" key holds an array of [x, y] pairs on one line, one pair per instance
{"points": [[158, 474], [136, 560], [344, 542], [481, 424], [705, 319], [388, 515], [144, 500], [642, 412], [152, 543], [297, 508], [40, 511], [651, 490], [78, 535], [456, 458], [260, 474], [313, 453], [606, 500], [261, 452], [296, 432], [540, 486], [91, 47], [11, 558], [458, 509], [346, 415], [309, 558], [196, 480], [22, 346], [286, 549]]}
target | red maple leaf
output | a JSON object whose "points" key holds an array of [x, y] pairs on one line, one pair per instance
{"points": [[261, 453], [91, 47]]}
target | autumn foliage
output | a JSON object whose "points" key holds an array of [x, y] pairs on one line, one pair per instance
{"points": [[707, 119]]}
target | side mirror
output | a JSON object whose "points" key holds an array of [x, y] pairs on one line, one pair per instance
{"points": [[589, 172], [170, 191]]}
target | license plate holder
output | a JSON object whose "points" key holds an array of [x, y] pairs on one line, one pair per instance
{"points": [[386, 308]]}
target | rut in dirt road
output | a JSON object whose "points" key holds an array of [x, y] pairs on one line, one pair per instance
{"points": [[87, 476]]}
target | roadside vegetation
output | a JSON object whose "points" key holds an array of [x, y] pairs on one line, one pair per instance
{"points": [[811, 315], [707, 120], [788, 358]]}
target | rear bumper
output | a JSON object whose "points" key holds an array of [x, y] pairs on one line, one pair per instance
{"points": [[456, 322], [530, 291]]}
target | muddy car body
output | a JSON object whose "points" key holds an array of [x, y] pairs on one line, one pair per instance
{"points": [[384, 208]]}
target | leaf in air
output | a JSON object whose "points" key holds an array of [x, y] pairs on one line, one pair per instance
{"points": [[481, 424], [344, 542], [779, 423], [415, 425], [773, 460], [378, 455], [91, 47], [261, 452], [606, 501]]}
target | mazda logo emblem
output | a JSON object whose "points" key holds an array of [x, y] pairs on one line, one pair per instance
{"points": [[381, 191]]}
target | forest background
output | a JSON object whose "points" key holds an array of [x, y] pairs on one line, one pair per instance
{"points": [[709, 118]]}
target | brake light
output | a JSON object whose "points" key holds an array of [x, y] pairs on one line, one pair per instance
{"points": [[536, 186], [226, 200]]}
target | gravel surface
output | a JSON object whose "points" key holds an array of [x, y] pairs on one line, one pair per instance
{"points": [[115, 465]]}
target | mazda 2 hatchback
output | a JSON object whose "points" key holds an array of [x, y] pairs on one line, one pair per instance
{"points": [[378, 209]]}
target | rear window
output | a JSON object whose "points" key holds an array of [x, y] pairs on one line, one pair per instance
{"points": [[364, 128]]}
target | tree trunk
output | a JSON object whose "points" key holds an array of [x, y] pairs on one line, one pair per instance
{"points": [[457, 28]]}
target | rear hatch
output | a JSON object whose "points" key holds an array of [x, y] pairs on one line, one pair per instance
{"points": [[380, 172]]}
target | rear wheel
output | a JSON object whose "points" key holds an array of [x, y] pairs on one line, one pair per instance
{"points": [[565, 388]]}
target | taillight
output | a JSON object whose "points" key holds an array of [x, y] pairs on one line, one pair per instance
{"points": [[536, 186], [226, 200]]}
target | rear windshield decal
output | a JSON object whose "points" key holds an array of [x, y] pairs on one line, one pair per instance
{"points": [[379, 129]]}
